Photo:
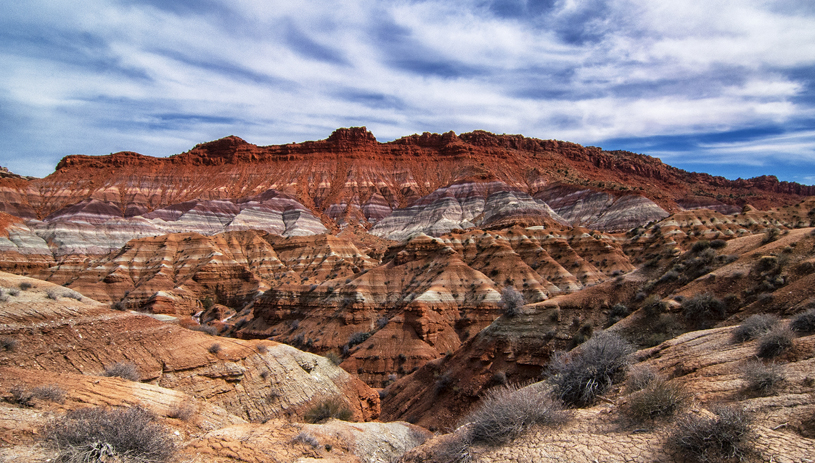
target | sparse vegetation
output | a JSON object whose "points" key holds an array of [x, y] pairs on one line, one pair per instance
{"points": [[659, 398], [775, 342], [722, 438], [358, 338], [98, 434], [307, 439], [333, 357], [25, 286], [617, 313], [761, 378], [208, 329], [702, 309], [578, 378], [124, 370], [507, 412], [182, 410], [754, 326], [639, 377], [52, 294], [49, 392], [804, 323], [8, 343], [511, 301], [330, 408], [214, 348], [207, 302]]}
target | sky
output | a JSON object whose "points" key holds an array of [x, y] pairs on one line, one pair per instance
{"points": [[724, 87]]}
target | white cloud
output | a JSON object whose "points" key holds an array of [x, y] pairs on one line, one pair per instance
{"points": [[283, 72]]}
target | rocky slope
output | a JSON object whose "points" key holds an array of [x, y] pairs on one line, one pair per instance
{"points": [[242, 402], [710, 367]]}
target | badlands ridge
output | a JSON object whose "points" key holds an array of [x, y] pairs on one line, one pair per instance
{"points": [[391, 259]]}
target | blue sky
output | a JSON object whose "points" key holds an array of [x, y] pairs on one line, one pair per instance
{"points": [[725, 87]]}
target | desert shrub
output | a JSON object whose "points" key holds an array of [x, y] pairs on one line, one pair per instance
{"points": [[659, 398], [207, 302], [358, 338], [119, 305], [381, 322], [639, 377], [52, 294], [804, 322], [506, 412], [8, 343], [511, 301], [25, 286], [214, 348], [98, 434], [208, 329], [578, 378], [761, 378], [71, 294], [499, 377], [718, 244], [331, 408], [771, 235], [775, 342], [583, 334], [262, 349], [50, 392], [333, 357], [700, 245], [669, 276], [182, 410], [754, 326], [442, 383], [13, 292], [653, 306], [124, 370], [701, 309], [307, 439], [721, 438], [617, 313], [21, 395]]}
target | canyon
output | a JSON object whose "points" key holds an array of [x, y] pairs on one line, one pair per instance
{"points": [[377, 273]]}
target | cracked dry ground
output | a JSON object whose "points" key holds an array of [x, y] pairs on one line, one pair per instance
{"points": [[710, 366]]}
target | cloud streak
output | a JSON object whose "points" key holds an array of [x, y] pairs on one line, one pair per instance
{"points": [[659, 78]]}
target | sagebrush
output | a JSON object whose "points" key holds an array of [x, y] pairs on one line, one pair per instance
{"points": [[124, 370], [754, 326], [99, 434], [721, 438], [508, 411], [325, 409], [578, 378]]}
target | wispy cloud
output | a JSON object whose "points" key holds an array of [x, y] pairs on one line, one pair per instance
{"points": [[661, 78]]}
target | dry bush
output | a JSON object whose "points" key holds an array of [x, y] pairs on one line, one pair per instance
{"points": [[124, 370], [50, 392], [659, 398], [208, 329], [578, 378], [639, 377], [214, 348], [24, 396], [8, 343], [25, 286], [98, 434], [52, 294], [775, 343], [182, 410], [804, 323], [21, 395], [508, 411], [754, 327], [307, 438], [761, 378], [331, 408], [722, 438], [511, 301], [701, 309], [333, 357]]}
